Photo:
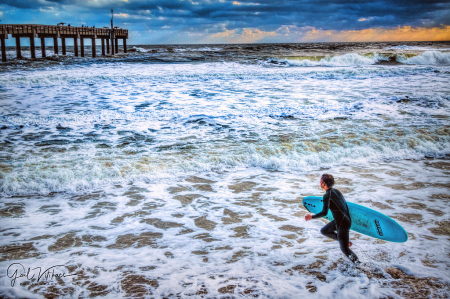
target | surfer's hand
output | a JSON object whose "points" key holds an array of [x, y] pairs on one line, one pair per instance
{"points": [[308, 217]]}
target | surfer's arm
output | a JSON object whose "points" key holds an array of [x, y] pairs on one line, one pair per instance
{"points": [[326, 207]]}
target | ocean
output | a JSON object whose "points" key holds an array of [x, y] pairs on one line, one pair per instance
{"points": [[178, 171]]}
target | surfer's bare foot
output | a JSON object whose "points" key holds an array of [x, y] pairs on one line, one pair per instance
{"points": [[350, 244]]}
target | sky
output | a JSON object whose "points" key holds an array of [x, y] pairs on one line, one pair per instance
{"points": [[244, 21]]}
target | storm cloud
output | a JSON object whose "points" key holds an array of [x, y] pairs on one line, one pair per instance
{"points": [[206, 21]]}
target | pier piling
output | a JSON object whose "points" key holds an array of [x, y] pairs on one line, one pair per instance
{"points": [[82, 46], [75, 46], [112, 45], [63, 45], [103, 47], [18, 50], [43, 47], [93, 47], [32, 47], [110, 36], [55, 45], [3, 50]]}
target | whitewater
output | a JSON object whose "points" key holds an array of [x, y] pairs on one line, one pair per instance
{"points": [[178, 171]]}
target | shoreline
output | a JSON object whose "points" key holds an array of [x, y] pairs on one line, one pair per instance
{"points": [[244, 228]]}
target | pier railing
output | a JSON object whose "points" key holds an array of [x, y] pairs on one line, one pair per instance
{"points": [[56, 32]]}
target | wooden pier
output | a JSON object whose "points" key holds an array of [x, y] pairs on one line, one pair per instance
{"points": [[107, 36]]}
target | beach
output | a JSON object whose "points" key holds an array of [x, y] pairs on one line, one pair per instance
{"points": [[179, 171]]}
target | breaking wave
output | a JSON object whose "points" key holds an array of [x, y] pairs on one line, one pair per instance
{"points": [[225, 71], [414, 48], [67, 176], [350, 59], [427, 58], [354, 59]]}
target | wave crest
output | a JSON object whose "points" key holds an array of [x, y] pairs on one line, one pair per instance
{"points": [[67, 176], [427, 58], [350, 59], [414, 48], [354, 59]]}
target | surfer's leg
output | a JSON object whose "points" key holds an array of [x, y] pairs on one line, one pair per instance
{"points": [[329, 230], [343, 238]]}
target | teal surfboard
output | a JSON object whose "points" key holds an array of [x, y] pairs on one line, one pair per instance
{"points": [[364, 220]]}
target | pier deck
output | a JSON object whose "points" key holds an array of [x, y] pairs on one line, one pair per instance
{"points": [[107, 36]]}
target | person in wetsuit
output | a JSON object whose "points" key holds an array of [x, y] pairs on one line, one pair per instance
{"points": [[339, 228]]}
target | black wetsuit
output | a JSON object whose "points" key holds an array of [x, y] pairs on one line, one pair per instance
{"points": [[338, 229]]}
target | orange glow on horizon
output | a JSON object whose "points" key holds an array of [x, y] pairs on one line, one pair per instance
{"points": [[405, 33], [309, 34]]}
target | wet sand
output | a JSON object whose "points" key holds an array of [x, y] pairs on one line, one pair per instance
{"points": [[232, 234]]}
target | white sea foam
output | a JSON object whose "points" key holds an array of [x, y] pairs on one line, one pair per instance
{"points": [[267, 259], [350, 59], [415, 48], [119, 143], [179, 50], [203, 49], [140, 49], [353, 59], [182, 73], [35, 176], [321, 111], [208, 49], [427, 58]]}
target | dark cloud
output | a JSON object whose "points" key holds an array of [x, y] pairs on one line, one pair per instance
{"points": [[215, 15]]}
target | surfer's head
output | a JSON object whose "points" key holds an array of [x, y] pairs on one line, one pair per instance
{"points": [[326, 181]]}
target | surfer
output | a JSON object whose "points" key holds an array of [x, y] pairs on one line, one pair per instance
{"points": [[339, 228]]}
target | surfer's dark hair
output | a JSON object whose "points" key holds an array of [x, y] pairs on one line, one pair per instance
{"points": [[327, 179]]}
